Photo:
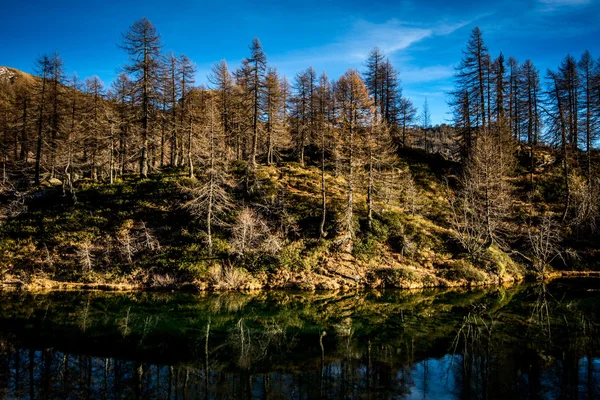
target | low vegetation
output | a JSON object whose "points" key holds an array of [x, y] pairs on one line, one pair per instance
{"points": [[142, 233]]}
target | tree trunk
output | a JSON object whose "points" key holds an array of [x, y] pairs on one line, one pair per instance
{"points": [[370, 184], [588, 131], [54, 136], [38, 153], [323, 188], [24, 139], [530, 136], [564, 150], [270, 132], [255, 119], [145, 115], [209, 214], [189, 153], [349, 212], [112, 155]]}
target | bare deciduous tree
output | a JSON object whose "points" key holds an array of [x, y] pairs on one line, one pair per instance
{"points": [[354, 115], [486, 191], [584, 206], [467, 221], [84, 255], [208, 197], [544, 243], [251, 234], [142, 44], [147, 238]]}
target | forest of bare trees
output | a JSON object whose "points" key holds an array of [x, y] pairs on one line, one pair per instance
{"points": [[509, 125], [503, 113], [152, 115]]}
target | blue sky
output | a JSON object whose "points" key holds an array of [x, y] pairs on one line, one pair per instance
{"points": [[424, 39]]}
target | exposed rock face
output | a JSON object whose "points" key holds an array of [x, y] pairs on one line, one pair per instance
{"points": [[6, 74]]}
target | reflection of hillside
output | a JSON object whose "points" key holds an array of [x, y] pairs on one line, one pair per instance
{"points": [[160, 318], [382, 344]]}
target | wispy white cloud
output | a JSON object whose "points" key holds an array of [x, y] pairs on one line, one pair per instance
{"points": [[558, 3], [433, 73], [553, 5], [354, 46], [446, 28], [391, 36]]}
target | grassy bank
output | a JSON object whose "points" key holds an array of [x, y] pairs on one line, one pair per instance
{"points": [[139, 234]]}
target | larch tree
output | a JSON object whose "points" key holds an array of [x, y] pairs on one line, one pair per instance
{"points": [[286, 94], [391, 96], [589, 107], [8, 141], [470, 94], [112, 121], [221, 81], [186, 72], [256, 68], [73, 136], [163, 117], [23, 107], [485, 197], [407, 114], [121, 90], [56, 98], [374, 78], [242, 111], [325, 116], [513, 99], [354, 118], [380, 156], [208, 197], [558, 126], [478, 108], [274, 115], [171, 89], [142, 43], [562, 112], [487, 70], [570, 83], [304, 110], [94, 125], [43, 67], [498, 73], [425, 123], [383, 83], [529, 109]]}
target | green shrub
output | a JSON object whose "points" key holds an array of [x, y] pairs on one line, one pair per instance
{"points": [[463, 270]]}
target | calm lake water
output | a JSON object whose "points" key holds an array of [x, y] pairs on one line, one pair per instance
{"points": [[530, 341]]}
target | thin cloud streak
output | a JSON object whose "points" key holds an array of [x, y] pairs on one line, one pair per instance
{"points": [[434, 73], [548, 6], [354, 46]]}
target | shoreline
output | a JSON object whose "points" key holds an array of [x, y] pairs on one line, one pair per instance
{"points": [[50, 285]]}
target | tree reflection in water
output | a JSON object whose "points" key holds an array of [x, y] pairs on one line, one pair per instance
{"points": [[481, 344]]}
